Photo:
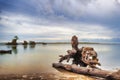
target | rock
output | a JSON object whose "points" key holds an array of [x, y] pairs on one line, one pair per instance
{"points": [[24, 76]]}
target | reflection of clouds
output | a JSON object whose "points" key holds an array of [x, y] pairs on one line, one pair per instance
{"points": [[40, 58], [108, 55], [103, 48], [98, 47]]}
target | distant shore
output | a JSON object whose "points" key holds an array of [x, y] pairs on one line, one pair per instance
{"points": [[108, 43]]}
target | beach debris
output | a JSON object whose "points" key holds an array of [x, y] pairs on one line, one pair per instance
{"points": [[87, 59], [5, 51], [85, 56], [108, 75], [24, 76]]}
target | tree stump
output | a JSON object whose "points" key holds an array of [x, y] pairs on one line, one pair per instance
{"points": [[85, 56], [81, 56]]}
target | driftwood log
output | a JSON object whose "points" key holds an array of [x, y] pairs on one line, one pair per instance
{"points": [[85, 56], [109, 75], [5, 51], [81, 56]]}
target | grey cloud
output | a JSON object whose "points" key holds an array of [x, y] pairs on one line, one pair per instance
{"points": [[79, 15], [75, 10]]}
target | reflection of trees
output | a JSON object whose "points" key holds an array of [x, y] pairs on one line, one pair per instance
{"points": [[25, 43], [14, 49], [32, 46], [25, 46]]}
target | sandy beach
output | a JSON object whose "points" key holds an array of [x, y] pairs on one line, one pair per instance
{"points": [[46, 76]]}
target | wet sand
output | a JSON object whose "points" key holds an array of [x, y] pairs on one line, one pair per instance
{"points": [[61, 75], [44, 76]]}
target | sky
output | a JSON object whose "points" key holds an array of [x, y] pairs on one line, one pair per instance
{"points": [[59, 20]]}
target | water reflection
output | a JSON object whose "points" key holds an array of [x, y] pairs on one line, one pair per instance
{"points": [[39, 58], [25, 47], [8, 46], [32, 46], [14, 49]]}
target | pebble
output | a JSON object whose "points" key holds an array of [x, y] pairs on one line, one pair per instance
{"points": [[24, 76]]}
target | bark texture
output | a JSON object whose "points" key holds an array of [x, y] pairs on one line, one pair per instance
{"points": [[109, 75]]}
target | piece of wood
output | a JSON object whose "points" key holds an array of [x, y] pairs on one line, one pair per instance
{"points": [[81, 56], [75, 53], [109, 75], [5, 51]]}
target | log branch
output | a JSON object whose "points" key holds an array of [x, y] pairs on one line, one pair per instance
{"points": [[109, 75]]}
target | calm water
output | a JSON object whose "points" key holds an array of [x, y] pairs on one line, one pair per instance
{"points": [[39, 58]]}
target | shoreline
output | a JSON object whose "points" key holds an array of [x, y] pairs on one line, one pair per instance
{"points": [[44, 43], [46, 76]]}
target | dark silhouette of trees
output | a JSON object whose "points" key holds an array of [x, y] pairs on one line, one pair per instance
{"points": [[25, 43], [14, 41]]}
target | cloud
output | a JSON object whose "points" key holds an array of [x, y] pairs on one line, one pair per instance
{"points": [[67, 8], [26, 25], [60, 19], [102, 8], [77, 8]]}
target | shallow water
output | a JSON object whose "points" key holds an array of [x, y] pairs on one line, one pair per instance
{"points": [[39, 58]]}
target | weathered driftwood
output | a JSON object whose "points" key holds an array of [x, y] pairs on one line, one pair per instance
{"points": [[109, 75], [75, 53], [89, 56], [81, 56]]}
